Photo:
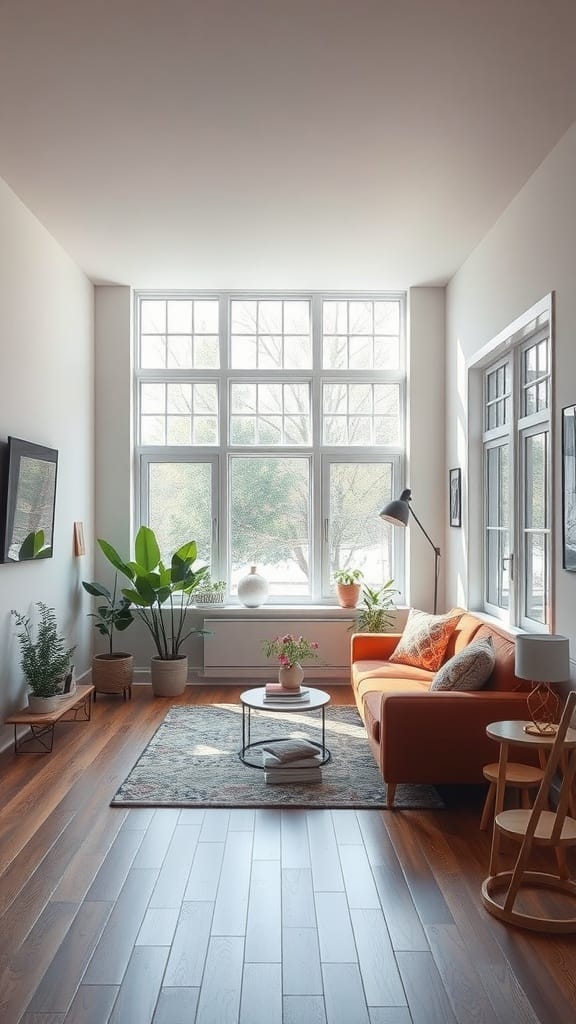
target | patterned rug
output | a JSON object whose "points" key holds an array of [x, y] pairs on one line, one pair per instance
{"points": [[192, 761]]}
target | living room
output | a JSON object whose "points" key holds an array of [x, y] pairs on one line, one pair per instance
{"points": [[258, 150]]}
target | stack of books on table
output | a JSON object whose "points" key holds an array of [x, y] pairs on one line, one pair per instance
{"points": [[275, 693], [291, 761]]}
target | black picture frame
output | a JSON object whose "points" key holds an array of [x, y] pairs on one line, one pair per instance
{"points": [[30, 501], [569, 488], [455, 497]]}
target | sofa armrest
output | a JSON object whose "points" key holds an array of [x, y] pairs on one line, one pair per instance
{"points": [[373, 646], [427, 737]]}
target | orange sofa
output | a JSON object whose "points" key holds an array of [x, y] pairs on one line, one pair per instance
{"points": [[423, 736]]}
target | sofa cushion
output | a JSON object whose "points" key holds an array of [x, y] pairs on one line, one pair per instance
{"points": [[470, 669], [465, 631], [503, 677], [425, 639]]}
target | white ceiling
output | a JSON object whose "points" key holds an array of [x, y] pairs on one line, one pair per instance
{"points": [[279, 143]]}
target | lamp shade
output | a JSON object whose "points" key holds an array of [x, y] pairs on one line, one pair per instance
{"points": [[397, 512], [542, 657]]}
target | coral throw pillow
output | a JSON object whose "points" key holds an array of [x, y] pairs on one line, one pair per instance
{"points": [[470, 669], [425, 639]]}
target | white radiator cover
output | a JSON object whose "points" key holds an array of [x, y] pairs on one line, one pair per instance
{"points": [[235, 646]]}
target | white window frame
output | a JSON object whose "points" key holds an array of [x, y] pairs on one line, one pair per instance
{"points": [[534, 325], [320, 455]]}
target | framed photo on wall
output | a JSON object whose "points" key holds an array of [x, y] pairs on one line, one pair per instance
{"points": [[455, 497], [569, 488]]}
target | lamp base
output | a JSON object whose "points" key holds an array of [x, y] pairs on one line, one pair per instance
{"points": [[541, 728], [543, 708]]}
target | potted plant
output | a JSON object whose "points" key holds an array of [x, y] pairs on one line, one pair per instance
{"points": [[348, 586], [375, 614], [45, 660], [210, 591], [289, 652], [155, 592], [111, 672]]}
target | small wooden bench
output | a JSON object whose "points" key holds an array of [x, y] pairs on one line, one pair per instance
{"points": [[76, 708]]}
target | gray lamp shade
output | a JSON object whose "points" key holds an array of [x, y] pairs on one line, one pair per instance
{"points": [[542, 657], [397, 512]]}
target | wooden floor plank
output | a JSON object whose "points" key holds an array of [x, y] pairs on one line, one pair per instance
{"points": [[389, 1015], [298, 910], [267, 826], [304, 1010], [173, 877], [344, 995], [156, 840], [346, 828], [358, 878], [115, 867], [219, 1001], [428, 1001], [92, 1004], [60, 982], [459, 976], [114, 948], [215, 826], [264, 922], [232, 900], [295, 849], [335, 935], [261, 1001], [176, 1006], [188, 954], [405, 832], [325, 860], [140, 986], [205, 872], [404, 925], [301, 974], [380, 976], [158, 926]]}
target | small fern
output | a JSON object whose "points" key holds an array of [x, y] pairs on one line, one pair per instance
{"points": [[376, 611], [44, 660]]}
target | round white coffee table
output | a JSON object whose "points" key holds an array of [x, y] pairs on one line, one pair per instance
{"points": [[253, 700]]}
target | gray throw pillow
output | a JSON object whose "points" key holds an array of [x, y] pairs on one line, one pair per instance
{"points": [[470, 669]]}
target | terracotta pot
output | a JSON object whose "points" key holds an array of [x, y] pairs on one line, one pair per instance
{"points": [[348, 594], [169, 677], [113, 673]]}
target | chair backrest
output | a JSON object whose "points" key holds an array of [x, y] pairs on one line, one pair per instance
{"points": [[551, 768]]}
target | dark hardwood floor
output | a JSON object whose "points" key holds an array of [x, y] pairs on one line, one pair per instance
{"points": [[247, 917]]}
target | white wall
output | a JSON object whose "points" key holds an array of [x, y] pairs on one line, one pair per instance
{"points": [[46, 388], [530, 251]]}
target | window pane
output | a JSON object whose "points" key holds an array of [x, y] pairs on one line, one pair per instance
{"points": [[535, 577], [179, 316], [280, 413], [180, 506], [270, 334], [350, 331], [358, 538], [366, 414], [270, 521], [169, 413], [535, 481], [153, 316]]}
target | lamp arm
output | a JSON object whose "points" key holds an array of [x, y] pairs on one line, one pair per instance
{"points": [[436, 557]]}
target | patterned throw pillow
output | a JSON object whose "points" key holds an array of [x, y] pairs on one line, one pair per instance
{"points": [[425, 639], [470, 669]]}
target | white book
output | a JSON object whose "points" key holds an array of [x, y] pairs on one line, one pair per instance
{"points": [[274, 778], [271, 762]]}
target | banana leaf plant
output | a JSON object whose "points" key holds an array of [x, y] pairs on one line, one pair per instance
{"points": [[160, 594], [113, 614]]}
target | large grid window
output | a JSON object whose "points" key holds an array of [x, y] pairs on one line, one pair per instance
{"points": [[517, 484], [271, 430]]}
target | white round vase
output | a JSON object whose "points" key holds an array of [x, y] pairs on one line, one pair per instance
{"points": [[291, 677], [253, 589]]}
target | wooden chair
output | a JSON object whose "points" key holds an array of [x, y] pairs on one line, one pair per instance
{"points": [[541, 828], [522, 777]]}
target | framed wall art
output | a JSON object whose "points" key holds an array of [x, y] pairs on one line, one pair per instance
{"points": [[569, 488], [455, 497]]}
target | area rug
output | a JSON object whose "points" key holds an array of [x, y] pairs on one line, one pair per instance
{"points": [[192, 761]]}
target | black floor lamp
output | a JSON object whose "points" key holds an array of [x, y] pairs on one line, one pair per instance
{"points": [[398, 513]]}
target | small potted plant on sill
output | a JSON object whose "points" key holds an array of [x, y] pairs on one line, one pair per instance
{"points": [[375, 615], [45, 660], [161, 595], [210, 591], [348, 586], [111, 672]]}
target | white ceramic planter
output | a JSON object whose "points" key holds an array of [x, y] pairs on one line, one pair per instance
{"points": [[253, 589]]}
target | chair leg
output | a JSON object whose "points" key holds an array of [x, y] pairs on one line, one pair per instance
{"points": [[563, 870], [495, 851], [390, 793], [488, 807], [524, 799]]}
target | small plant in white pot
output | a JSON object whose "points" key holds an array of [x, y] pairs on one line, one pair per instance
{"points": [[111, 672], [210, 591], [348, 585], [45, 660]]}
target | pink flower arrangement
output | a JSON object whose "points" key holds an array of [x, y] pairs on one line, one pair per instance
{"points": [[290, 649]]}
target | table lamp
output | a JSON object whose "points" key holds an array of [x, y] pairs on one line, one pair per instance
{"points": [[544, 659], [398, 513]]}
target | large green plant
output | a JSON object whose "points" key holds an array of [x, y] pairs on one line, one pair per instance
{"points": [[45, 659], [113, 615], [155, 585]]}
